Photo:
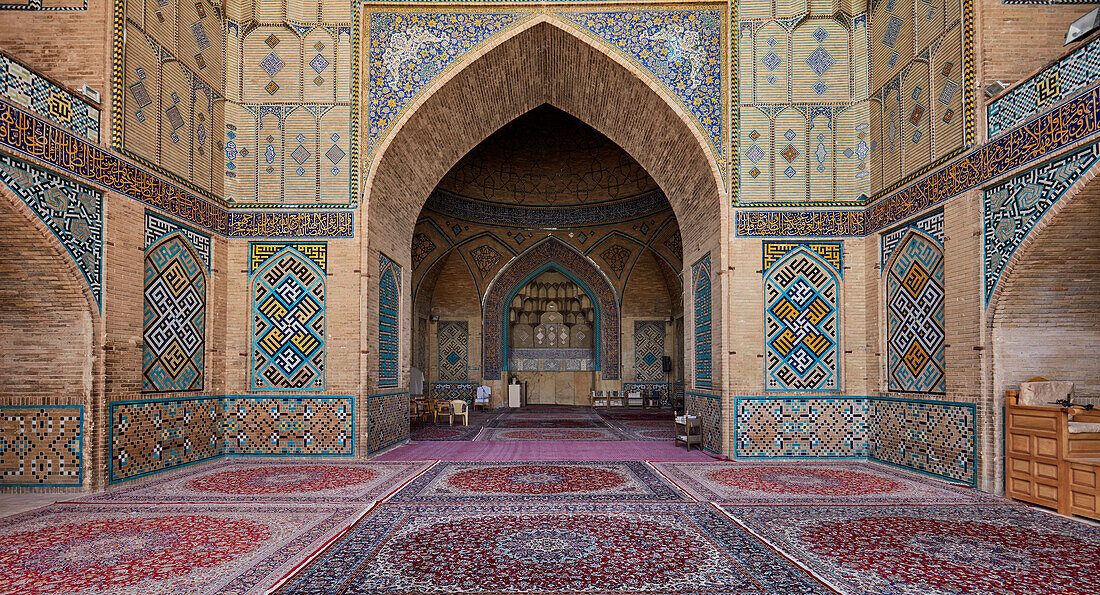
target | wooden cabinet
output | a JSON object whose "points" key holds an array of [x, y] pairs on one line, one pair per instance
{"points": [[1046, 464]]}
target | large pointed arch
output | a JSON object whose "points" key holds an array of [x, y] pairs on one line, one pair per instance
{"points": [[550, 253], [544, 60]]}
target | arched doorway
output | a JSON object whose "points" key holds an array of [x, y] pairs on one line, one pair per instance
{"points": [[542, 62]]}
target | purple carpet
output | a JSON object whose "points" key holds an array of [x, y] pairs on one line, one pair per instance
{"points": [[542, 451]]}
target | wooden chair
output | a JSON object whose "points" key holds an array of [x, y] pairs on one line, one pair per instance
{"points": [[442, 408], [689, 430], [459, 408]]}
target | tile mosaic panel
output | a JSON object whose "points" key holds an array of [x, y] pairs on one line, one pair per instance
{"points": [[649, 348], [288, 316], [1072, 121], [24, 133], [154, 435], [72, 211], [407, 50], [451, 391], [30, 91], [709, 408], [263, 425], [801, 320], [156, 227], [1059, 81], [915, 332], [1013, 207], [389, 308], [546, 253], [700, 273], [40, 5], [681, 48], [796, 427], [453, 351], [387, 420], [928, 436], [41, 446], [664, 389], [174, 325], [930, 224]]}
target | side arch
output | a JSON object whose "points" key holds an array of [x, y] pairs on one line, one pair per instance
{"points": [[550, 253], [174, 310]]}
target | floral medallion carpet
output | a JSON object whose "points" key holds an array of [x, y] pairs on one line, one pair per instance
{"points": [[817, 482], [165, 548], [271, 480], [552, 548], [538, 481], [935, 550]]}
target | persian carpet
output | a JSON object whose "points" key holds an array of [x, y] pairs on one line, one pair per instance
{"points": [[935, 550], [817, 482], [271, 480], [429, 432], [535, 481], [527, 434], [593, 548], [139, 550]]}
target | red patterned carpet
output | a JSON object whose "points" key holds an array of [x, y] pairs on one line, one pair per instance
{"points": [[553, 422], [583, 527]]}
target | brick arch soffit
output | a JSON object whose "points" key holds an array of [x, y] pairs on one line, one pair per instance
{"points": [[550, 253], [75, 279], [1089, 182], [386, 164]]}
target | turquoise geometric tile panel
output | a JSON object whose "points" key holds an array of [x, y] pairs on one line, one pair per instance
{"points": [[453, 351], [801, 320], [649, 348], [407, 50], [72, 211], [30, 91], [1043, 91], [929, 436], [154, 435], [156, 227], [681, 48], [709, 409], [289, 425], [793, 427], [387, 420], [41, 446], [288, 316], [915, 331], [1013, 207], [703, 342], [174, 326], [389, 308]]}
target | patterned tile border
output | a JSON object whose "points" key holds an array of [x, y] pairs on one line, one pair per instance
{"points": [[663, 388], [293, 428], [29, 135], [154, 431], [467, 391], [31, 91], [1072, 121], [709, 408], [33, 449], [387, 420], [907, 448], [797, 432]]}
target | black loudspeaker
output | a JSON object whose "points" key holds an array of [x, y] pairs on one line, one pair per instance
{"points": [[666, 363]]}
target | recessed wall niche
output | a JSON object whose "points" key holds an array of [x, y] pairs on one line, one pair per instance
{"points": [[550, 325]]}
